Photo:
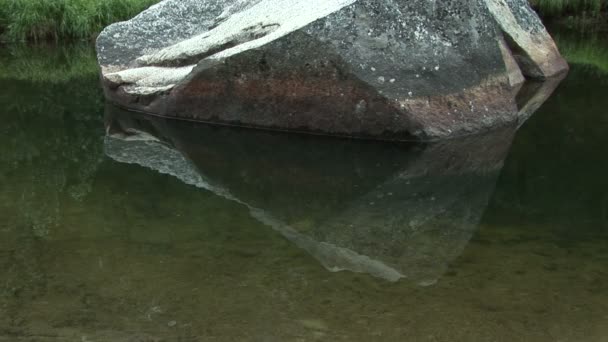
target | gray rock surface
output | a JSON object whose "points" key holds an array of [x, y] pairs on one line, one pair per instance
{"points": [[390, 69], [533, 47]]}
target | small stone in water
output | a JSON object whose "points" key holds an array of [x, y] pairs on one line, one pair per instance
{"points": [[314, 324]]}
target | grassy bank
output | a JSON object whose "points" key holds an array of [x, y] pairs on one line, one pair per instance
{"points": [[44, 20]]}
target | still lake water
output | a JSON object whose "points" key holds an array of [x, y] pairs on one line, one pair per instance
{"points": [[119, 227]]}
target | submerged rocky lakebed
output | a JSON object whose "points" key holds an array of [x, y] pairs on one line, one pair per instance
{"points": [[123, 227]]}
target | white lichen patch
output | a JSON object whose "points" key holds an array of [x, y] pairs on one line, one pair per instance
{"points": [[131, 75], [150, 77], [139, 90], [253, 27]]}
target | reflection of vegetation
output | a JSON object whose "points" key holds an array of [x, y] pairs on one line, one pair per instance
{"points": [[48, 63], [590, 49], [561, 7], [49, 147], [38, 20], [51, 133]]}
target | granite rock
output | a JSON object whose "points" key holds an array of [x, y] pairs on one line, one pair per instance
{"points": [[391, 69]]}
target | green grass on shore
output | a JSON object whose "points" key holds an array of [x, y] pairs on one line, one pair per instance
{"points": [[44, 20]]}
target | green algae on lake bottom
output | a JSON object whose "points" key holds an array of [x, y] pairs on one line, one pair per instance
{"points": [[97, 245]]}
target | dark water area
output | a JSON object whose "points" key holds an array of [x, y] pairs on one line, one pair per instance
{"points": [[121, 227]]}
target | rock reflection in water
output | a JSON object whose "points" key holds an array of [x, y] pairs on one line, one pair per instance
{"points": [[391, 210]]}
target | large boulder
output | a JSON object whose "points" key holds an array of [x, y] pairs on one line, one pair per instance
{"points": [[390, 69]]}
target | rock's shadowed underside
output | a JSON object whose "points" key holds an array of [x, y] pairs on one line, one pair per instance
{"points": [[389, 69]]}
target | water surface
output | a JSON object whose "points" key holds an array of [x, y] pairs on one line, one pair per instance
{"points": [[119, 227]]}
